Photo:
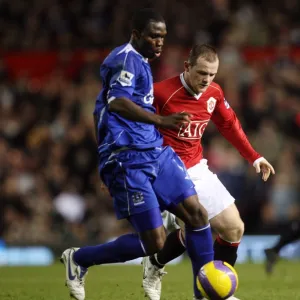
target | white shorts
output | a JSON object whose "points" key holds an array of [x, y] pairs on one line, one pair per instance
{"points": [[211, 192]]}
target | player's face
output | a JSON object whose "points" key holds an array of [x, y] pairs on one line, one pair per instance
{"points": [[201, 75], [150, 41]]}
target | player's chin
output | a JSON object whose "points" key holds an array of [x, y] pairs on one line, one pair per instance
{"points": [[154, 55], [202, 89]]}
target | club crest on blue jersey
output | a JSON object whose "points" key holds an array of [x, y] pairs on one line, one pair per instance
{"points": [[138, 198], [125, 78]]}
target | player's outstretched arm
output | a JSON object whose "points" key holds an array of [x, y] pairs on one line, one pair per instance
{"points": [[263, 166], [129, 110]]}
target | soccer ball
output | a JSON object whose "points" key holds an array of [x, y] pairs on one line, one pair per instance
{"points": [[217, 280]]}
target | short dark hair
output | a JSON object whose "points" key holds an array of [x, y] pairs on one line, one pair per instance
{"points": [[144, 16], [208, 52]]}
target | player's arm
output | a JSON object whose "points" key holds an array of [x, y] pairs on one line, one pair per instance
{"points": [[131, 111], [230, 127], [119, 99]]}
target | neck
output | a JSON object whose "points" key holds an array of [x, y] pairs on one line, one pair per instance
{"points": [[134, 45], [187, 81]]}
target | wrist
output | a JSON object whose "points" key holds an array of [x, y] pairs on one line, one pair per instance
{"points": [[257, 161], [157, 120]]}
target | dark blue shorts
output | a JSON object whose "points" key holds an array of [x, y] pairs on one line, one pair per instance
{"points": [[140, 180]]}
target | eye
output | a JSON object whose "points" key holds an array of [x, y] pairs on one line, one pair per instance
{"points": [[156, 36]]}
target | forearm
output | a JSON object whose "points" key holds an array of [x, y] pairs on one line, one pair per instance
{"points": [[129, 110]]}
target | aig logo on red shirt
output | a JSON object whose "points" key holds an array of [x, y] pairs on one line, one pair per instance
{"points": [[193, 130]]}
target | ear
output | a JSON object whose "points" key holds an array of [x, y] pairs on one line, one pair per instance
{"points": [[186, 66], [136, 34]]}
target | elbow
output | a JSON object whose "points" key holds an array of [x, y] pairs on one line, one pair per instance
{"points": [[110, 107], [115, 105], [229, 125]]}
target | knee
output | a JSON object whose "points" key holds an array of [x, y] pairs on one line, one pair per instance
{"points": [[155, 245], [197, 218], [234, 233], [159, 243], [239, 230], [194, 214]]}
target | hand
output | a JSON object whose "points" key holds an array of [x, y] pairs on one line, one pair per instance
{"points": [[262, 165], [174, 121]]}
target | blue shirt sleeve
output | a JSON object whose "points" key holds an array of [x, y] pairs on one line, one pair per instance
{"points": [[124, 72]]}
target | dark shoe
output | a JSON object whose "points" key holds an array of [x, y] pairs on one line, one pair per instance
{"points": [[271, 259]]}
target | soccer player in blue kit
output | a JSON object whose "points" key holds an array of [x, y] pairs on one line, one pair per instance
{"points": [[143, 177]]}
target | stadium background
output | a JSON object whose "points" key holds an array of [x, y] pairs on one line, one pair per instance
{"points": [[50, 53]]}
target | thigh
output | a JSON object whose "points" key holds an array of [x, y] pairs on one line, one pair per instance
{"points": [[211, 192], [229, 219], [130, 188], [172, 184]]}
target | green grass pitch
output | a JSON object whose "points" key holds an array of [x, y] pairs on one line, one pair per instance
{"points": [[124, 282]]}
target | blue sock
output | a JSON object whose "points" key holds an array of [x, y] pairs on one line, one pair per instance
{"points": [[124, 248], [199, 245]]}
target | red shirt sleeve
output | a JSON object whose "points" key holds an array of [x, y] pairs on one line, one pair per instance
{"points": [[230, 127]]}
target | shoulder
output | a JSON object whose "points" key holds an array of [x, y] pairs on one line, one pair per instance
{"points": [[165, 90], [124, 55], [167, 86], [216, 91]]}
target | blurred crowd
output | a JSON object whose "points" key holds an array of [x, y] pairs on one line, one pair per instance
{"points": [[50, 191], [69, 24]]}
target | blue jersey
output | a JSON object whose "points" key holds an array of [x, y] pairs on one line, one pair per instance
{"points": [[125, 73], [144, 175]]}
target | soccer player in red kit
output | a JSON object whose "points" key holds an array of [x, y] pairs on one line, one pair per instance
{"points": [[194, 92]]}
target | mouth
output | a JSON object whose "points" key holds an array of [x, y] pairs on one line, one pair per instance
{"points": [[157, 52], [203, 85]]}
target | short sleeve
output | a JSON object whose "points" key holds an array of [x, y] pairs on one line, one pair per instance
{"points": [[124, 72]]}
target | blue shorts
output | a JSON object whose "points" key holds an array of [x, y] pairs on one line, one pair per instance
{"points": [[139, 180]]}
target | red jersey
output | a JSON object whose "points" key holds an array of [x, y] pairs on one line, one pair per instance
{"points": [[174, 95]]}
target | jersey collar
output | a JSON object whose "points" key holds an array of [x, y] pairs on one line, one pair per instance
{"points": [[129, 48], [197, 96]]}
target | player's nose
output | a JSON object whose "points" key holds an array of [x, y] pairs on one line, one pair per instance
{"points": [[159, 42], [205, 79]]}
